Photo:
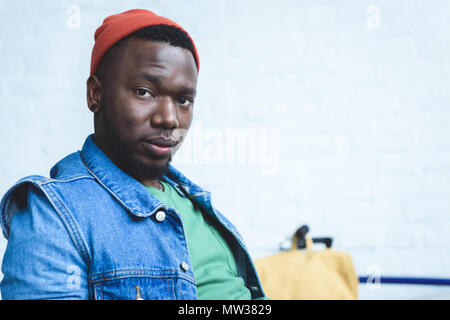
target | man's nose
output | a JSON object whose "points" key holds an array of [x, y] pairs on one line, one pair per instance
{"points": [[166, 114]]}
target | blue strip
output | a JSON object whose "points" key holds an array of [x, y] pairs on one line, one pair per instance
{"points": [[406, 280]]}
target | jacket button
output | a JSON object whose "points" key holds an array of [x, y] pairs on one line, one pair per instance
{"points": [[184, 266], [160, 216]]}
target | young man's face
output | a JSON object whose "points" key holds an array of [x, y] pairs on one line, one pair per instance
{"points": [[146, 106]]}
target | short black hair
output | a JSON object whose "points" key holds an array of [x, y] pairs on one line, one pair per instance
{"points": [[161, 33]]}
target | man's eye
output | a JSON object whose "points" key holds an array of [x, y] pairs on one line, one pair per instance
{"points": [[185, 102], [142, 92]]}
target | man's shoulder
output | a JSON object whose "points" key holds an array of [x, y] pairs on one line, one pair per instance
{"points": [[69, 169]]}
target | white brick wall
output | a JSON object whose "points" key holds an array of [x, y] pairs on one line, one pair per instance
{"points": [[355, 93]]}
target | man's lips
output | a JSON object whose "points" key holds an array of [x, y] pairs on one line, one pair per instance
{"points": [[159, 146], [161, 142]]}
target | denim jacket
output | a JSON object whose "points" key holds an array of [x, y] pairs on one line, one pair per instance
{"points": [[91, 231]]}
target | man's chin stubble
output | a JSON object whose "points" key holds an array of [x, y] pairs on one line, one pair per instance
{"points": [[135, 168], [142, 172]]}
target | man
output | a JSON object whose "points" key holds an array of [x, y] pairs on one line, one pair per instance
{"points": [[116, 220]]}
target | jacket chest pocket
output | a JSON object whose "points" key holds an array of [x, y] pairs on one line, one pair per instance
{"points": [[141, 287]]}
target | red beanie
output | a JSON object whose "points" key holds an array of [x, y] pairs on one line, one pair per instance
{"points": [[118, 26]]}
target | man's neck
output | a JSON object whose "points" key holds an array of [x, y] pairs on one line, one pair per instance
{"points": [[154, 183]]}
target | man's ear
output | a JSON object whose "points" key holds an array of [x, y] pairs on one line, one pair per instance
{"points": [[94, 92]]}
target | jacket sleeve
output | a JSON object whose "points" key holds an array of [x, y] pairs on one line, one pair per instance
{"points": [[41, 261]]}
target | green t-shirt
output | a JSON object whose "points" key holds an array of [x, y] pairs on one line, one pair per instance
{"points": [[212, 261]]}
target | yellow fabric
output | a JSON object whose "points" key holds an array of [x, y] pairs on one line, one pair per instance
{"points": [[308, 274]]}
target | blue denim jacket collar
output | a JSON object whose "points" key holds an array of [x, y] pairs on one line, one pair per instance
{"points": [[128, 191]]}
